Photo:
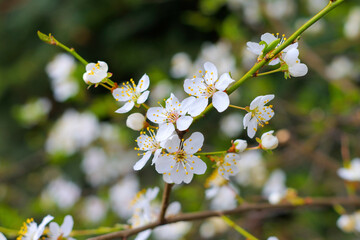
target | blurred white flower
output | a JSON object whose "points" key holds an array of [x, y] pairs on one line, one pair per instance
{"points": [[132, 94], [174, 231], [240, 145], [34, 111], [181, 65], [252, 170], [340, 67], [95, 72], [121, 195], [251, 10], [352, 172], [280, 9], [349, 222], [213, 226], [2, 237], [63, 84], [31, 231], [179, 164], [295, 68], [57, 232], [231, 125], [272, 238], [259, 114], [71, 132], [352, 24], [314, 6], [275, 189], [93, 209], [136, 121], [62, 192], [269, 141], [228, 166]]}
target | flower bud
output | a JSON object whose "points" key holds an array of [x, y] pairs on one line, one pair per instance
{"points": [[269, 141], [240, 145], [346, 223], [136, 121]]}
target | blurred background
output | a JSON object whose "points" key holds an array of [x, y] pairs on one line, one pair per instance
{"points": [[63, 150]]}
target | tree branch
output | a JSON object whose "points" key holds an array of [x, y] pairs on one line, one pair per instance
{"points": [[245, 207], [165, 202]]}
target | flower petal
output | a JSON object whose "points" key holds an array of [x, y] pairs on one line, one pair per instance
{"points": [[211, 69], [67, 225], [268, 38], [143, 97], [224, 81], [165, 130], [291, 46], [298, 70], [141, 163], [198, 106], [255, 47], [126, 108], [172, 103], [156, 115], [221, 101], [252, 128], [194, 143], [291, 57], [156, 155], [103, 66], [267, 98], [186, 105], [164, 163], [184, 123], [274, 62], [41, 227], [143, 235], [255, 102], [143, 83], [194, 86], [90, 66], [246, 120], [198, 165], [120, 94], [173, 144]]}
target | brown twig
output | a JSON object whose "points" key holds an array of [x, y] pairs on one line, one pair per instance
{"points": [[165, 202], [245, 207]]}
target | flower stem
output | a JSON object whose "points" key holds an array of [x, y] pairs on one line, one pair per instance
{"points": [[210, 153], [331, 5], [239, 229], [145, 106], [233, 106], [105, 86], [269, 72], [101, 230]]}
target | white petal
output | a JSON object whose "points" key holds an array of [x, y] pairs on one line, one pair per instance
{"points": [[2, 237], [198, 106], [221, 101], [143, 83], [223, 82], [41, 227], [184, 123], [156, 115], [291, 56], [141, 163], [167, 178], [143, 97], [198, 165], [164, 163], [252, 128], [188, 177], [172, 103], [156, 155], [143, 235], [173, 144], [268, 38], [186, 105], [55, 230], [194, 86], [173, 208], [298, 70], [90, 66], [211, 69], [93, 78], [194, 143], [255, 47], [103, 66], [165, 131], [67, 225], [120, 94], [274, 62], [178, 174], [291, 46], [126, 108], [267, 98], [246, 120], [255, 102]]}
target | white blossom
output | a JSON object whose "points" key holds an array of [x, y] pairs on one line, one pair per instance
{"points": [[275, 189], [227, 166], [180, 65], [149, 145], [95, 72], [240, 145], [207, 86], [34, 111], [272, 238], [173, 114], [61, 232], [31, 231], [231, 124], [295, 68], [259, 114], [349, 222], [352, 172], [93, 209], [136, 121], [352, 24], [2, 237], [269, 141], [179, 164], [132, 94]]}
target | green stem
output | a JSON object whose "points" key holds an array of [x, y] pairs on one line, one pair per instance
{"points": [[72, 52], [101, 230], [290, 40], [145, 106], [241, 108], [239, 229], [269, 72], [105, 86], [111, 83], [9, 232], [210, 153]]}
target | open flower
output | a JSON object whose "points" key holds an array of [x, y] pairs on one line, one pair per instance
{"points": [[174, 113], [268, 38], [227, 166], [132, 94], [95, 72], [207, 86], [150, 146], [295, 68], [31, 231], [61, 232], [258, 114], [179, 165], [352, 172]]}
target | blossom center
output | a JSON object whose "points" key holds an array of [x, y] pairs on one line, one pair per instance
{"points": [[172, 117]]}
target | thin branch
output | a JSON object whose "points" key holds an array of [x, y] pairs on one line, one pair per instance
{"points": [[165, 202], [245, 207]]}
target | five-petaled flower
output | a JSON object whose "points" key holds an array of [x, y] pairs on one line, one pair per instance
{"points": [[174, 113], [207, 86], [258, 114], [31, 231], [132, 94], [95, 72], [57, 232], [179, 164], [227, 165]]}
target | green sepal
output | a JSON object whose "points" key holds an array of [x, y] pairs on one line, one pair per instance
{"points": [[258, 140], [271, 46], [46, 38]]}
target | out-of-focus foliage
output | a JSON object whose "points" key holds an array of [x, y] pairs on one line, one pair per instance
{"points": [[90, 175]]}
